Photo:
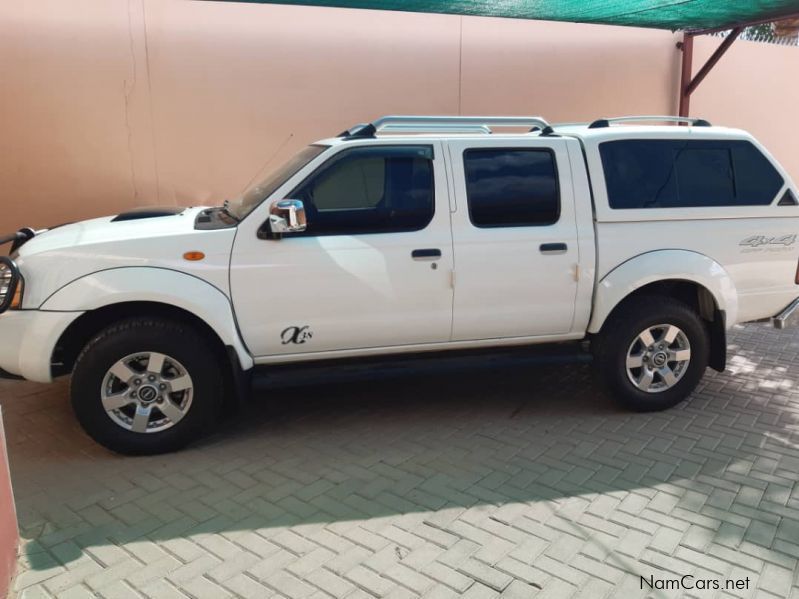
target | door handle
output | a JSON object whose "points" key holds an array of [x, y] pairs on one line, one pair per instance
{"points": [[553, 248], [426, 254]]}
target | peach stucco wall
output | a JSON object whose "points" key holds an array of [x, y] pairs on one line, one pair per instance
{"points": [[107, 104], [754, 87], [114, 103]]}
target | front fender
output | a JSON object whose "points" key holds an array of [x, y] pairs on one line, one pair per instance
{"points": [[663, 265], [149, 284]]}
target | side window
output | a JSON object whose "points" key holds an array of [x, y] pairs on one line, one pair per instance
{"points": [[704, 176], [756, 179], [377, 189], [511, 187], [657, 173]]}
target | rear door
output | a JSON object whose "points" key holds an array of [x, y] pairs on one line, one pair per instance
{"points": [[515, 238]]}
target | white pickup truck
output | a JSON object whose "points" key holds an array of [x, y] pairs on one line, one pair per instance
{"points": [[409, 235]]}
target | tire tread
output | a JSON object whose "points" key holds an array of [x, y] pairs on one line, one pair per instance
{"points": [[615, 337], [87, 370]]}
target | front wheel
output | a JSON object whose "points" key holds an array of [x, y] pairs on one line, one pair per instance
{"points": [[651, 353], [146, 386]]}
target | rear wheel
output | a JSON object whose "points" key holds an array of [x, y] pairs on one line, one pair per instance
{"points": [[146, 386], [651, 353]]}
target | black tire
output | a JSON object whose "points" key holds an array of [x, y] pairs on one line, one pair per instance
{"points": [[173, 339], [611, 346]]}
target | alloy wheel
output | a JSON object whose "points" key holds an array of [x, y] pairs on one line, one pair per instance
{"points": [[147, 392], [658, 358]]}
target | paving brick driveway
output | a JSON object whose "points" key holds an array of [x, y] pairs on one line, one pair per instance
{"points": [[474, 484]]}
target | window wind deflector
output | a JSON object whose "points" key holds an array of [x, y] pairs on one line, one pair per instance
{"points": [[788, 199]]}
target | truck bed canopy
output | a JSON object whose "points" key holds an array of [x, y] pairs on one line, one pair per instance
{"points": [[689, 15]]}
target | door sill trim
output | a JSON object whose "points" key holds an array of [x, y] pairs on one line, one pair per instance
{"points": [[416, 348]]}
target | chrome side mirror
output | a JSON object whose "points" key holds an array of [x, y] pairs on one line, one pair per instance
{"points": [[286, 216]]}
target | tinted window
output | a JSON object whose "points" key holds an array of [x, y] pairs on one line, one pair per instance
{"points": [[704, 176], [647, 173], [370, 190], [511, 187], [756, 179]]}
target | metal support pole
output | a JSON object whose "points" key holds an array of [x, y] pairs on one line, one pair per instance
{"points": [[687, 84], [711, 62], [687, 48]]}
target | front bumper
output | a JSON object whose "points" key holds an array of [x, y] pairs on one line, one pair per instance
{"points": [[788, 317], [27, 341]]}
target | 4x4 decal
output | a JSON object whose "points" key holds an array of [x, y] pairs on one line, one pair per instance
{"points": [[295, 335], [761, 240]]}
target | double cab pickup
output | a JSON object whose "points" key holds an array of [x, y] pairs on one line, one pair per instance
{"points": [[648, 237]]}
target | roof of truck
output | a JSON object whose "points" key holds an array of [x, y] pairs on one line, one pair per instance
{"points": [[409, 128], [581, 132], [585, 131]]}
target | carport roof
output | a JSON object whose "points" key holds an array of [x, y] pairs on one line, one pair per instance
{"points": [[691, 15]]}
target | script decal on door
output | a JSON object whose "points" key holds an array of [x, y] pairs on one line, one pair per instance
{"points": [[297, 335]]}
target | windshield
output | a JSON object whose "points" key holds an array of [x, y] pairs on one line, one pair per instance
{"points": [[255, 194]]}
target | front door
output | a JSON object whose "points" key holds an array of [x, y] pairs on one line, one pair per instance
{"points": [[515, 238], [373, 268]]}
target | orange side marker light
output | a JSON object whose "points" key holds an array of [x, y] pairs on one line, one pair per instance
{"points": [[193, 256]]}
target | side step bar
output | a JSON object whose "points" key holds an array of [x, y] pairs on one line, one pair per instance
{"points": [[419, 364], [788, 317]]}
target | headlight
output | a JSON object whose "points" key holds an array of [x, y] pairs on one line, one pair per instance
{"points": [[11, 285]]}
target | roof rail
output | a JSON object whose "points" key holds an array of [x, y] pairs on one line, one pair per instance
{"points": [[606, 122], [445, 124], [434, 128]]}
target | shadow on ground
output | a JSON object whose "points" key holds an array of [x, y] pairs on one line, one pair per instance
{"points": [[533, 445]]}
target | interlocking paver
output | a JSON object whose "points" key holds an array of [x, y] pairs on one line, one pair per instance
{"points": [[447, 576], [242, 585], [474, 485], [485, 574], [480, 591], [163, 589], [776, 580], [369, 580]]}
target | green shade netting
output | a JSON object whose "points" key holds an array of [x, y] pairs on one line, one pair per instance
{"points": [[659, 14]]}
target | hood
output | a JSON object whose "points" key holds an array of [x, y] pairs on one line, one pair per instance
{"points": [[144, 223], [147, 212], [55, 258]]}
